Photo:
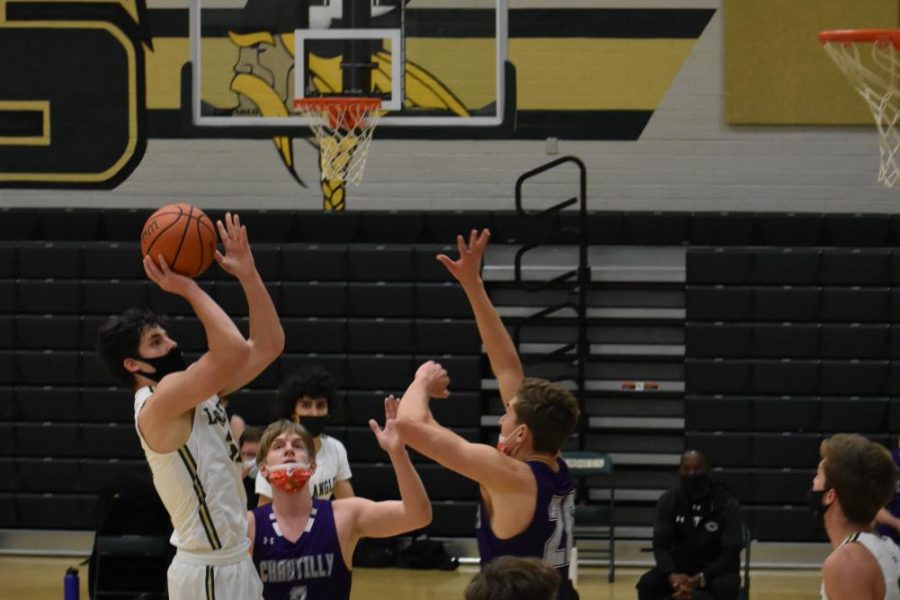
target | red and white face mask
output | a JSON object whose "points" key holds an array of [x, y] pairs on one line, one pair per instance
{"points": [[290, 477], [504, 447]]}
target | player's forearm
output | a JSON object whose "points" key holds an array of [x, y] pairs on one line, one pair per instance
{"points": [[266, 332], [884, 517], [416, 504], [502, 354], [222, 335], [414, 403]]}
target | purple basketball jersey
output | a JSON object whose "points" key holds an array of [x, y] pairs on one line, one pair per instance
{"points": [[312, 568], [549, 535], [893, 506]]}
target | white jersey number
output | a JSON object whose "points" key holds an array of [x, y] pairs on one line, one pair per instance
{"points": [[559, 546], [298, 592]]}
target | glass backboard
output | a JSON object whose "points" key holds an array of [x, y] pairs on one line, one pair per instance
{"points": [[433, 62]]}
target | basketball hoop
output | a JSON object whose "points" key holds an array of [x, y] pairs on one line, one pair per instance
{"points": [[876, 76], [343, 125]]}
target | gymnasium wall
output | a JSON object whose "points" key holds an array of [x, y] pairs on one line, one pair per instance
{"points": [[657, 142], [774, 72]]}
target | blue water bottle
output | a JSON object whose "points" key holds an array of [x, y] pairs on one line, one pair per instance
{"points": [[71, 589]]}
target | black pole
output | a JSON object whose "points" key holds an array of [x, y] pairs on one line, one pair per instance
{"points": [[357, 66]]}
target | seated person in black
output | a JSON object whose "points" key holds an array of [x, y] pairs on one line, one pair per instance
{"points": [[696, 539]]}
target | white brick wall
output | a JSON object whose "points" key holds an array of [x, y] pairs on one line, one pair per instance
{"points": [[687, 159]]}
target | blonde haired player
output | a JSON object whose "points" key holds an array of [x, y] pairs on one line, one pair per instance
{"points": [[303, 546]]}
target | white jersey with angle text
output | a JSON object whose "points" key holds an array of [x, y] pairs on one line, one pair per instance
{"points": [[331, 466], [200, 483], [887, 553]]}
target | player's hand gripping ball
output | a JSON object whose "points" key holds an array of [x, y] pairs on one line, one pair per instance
{"points": [[184, 235]]}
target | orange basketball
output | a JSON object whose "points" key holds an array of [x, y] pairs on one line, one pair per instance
{"points": [[184, 235]]}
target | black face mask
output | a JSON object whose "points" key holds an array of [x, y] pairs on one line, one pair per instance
{"points": [[814, 500], [695, 486], [164, 365], [314, 425]]}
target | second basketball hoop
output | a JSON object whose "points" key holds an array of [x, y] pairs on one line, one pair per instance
{"points": [[869, 58]]}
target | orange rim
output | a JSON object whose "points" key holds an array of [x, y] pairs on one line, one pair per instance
{"points": [[319, 103], [348, 111], [848, 36]]}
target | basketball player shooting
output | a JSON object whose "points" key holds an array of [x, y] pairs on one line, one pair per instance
{"points": [[303, 547], [182, 427], [527, 496]]}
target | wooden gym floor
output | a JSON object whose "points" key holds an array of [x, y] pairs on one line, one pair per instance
{"points": [[39, 578]]}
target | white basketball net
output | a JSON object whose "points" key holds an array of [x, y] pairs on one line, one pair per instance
{"points": [[875, 77], [343, 130]]}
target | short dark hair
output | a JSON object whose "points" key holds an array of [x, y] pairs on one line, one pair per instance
{"points": [[310, 380], [514, 578], [862, 474], [550, 412], [119, 337], [251, 434]]}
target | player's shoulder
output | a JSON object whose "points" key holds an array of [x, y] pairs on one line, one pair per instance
{"points": [[141, 394], [348, 508], [850, 566], [502, 474]]}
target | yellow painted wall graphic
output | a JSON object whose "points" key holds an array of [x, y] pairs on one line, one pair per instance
{"points": [[82, 119]]}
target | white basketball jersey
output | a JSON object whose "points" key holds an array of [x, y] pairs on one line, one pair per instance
{"points": [[200, 484], [887, 553]]}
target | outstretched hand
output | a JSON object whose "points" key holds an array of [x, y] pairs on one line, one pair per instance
{"points": [[159, 272], [435, 378], [237, 260], [467, 268], [388, 437]]}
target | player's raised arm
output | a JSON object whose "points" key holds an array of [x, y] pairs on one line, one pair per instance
{"points": [[392, 517], [431, 381], [266, 340], [419, 430], [478, 462], [505, 362], [180, 391]]}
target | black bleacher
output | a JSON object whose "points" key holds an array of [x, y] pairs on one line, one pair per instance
{"points": [[356, 295], [791, 333], [784, 347]]}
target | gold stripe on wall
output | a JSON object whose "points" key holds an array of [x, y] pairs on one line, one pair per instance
{"points": [[164, 71], [552, 73], [595, 74], [163, 67], [777, 73]]}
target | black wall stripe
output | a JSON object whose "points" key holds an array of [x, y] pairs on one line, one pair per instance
{"points": [[21, 123], [530, 125], [598, 23]]}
